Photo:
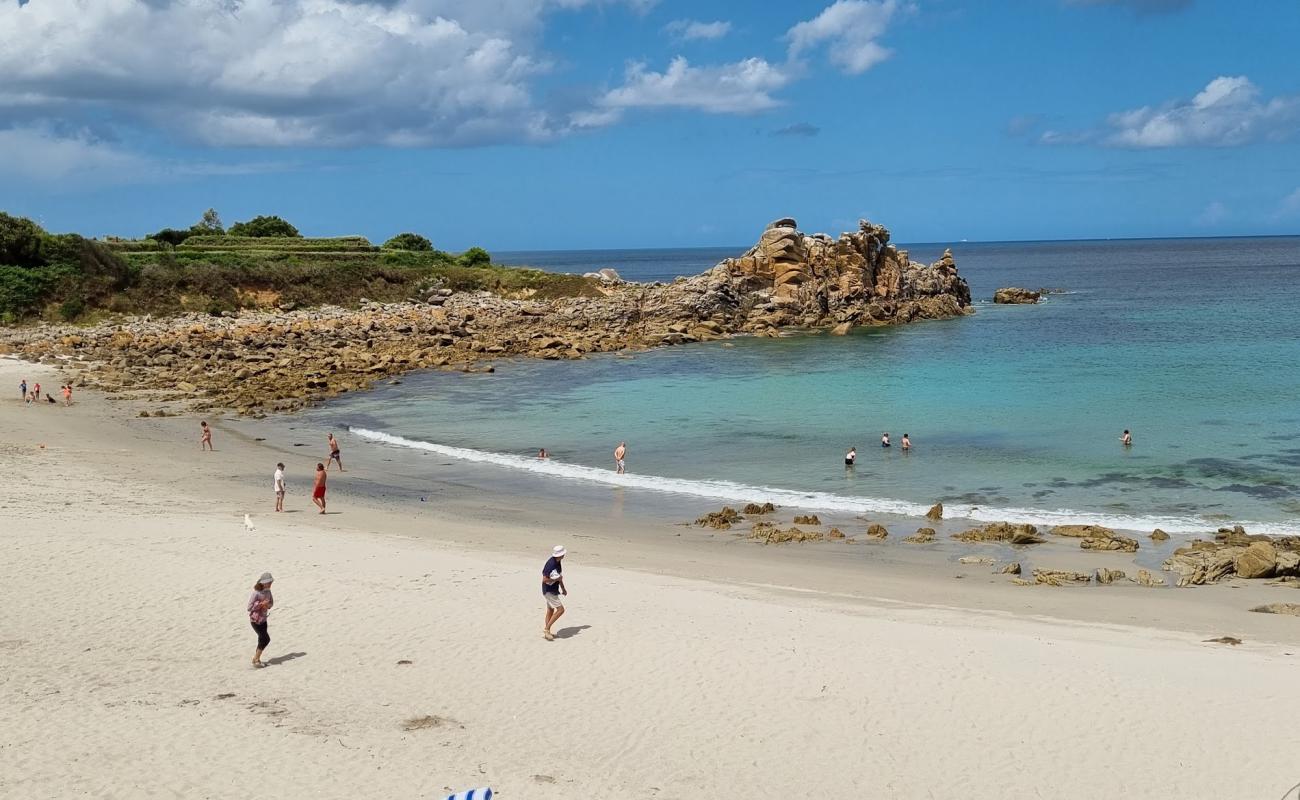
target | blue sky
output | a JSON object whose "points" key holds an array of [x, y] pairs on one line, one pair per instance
{"points": [[532, 124]]}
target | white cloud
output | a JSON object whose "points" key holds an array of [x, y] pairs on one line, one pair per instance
{"points": [[1213, 214], [689, 30], [1289, 208], [850, 28], [41, 155], [289, 72], [1228, 112], [742, 87]]}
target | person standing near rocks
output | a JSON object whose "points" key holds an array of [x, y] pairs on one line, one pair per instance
{"points": [[36, 392], [205, 440], [851, 457], [259, 605], [1127, 439], [67, 395], [552, 587], [335, 455], [22, 389], [278, 483], [620, 453], [318, 491]]}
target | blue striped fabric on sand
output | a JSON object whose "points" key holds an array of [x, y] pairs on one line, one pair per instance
{"points": [[472, 794]]}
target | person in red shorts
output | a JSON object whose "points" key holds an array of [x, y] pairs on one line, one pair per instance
{"points": [[318, 493]]}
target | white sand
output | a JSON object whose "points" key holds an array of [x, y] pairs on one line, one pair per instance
{"points": [[124, 653]]}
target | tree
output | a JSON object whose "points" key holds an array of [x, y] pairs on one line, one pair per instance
{"points": [[475, 257], [21, 242], [409, 241], [171, 236], [210, 225], [263, 227]]}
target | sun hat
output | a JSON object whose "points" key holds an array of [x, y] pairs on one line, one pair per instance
{"points": [[558, 552], [266, 578]]}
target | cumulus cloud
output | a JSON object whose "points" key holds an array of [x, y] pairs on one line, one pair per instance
{"points": [[1138, 6], [41, 154], [850, 30], [692, 30], [741, 87], [290, 72], [1228, 112]]}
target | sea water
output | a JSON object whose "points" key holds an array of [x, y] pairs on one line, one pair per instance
{"points": [[1014, 413]]}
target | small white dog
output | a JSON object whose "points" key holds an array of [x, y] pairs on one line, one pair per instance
{"points": [[248, 524]]}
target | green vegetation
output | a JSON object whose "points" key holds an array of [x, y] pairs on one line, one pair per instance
{"points": [[67, 277], [409, 241], [262, 227]]}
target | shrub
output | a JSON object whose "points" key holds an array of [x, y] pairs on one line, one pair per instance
{"points": [[170, 236], [263, 227], [475, 257], [409, 241], [209, 225], [20, 242], [72, 308]]}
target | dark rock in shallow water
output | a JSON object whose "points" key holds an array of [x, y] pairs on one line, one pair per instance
{"points": [[1015, 296]]}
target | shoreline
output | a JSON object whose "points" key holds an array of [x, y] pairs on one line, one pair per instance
{"points": [[831, 668]]}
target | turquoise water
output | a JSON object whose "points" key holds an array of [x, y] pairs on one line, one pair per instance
{"points": [[1014, 413]]}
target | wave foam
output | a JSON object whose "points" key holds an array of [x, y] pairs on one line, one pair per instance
{"points": [[813, 501]]}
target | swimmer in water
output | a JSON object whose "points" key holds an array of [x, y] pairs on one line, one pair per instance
{"points": [[1127, 439], [851, 457], [884, 439], [907, 443]]}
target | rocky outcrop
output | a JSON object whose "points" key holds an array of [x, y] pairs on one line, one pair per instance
{"points": [[1158, 535], [808, 519], [1106, 577], [922, 536], [1236, 553], [1056, 577], [1115, 542], [935, 513], [265, 361], [754, 509], [1012, 296], [1001, 532], [1082, 531], [877, 532], [719, 520]]}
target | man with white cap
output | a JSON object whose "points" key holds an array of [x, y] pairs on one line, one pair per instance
{"points": [[552, 588]]}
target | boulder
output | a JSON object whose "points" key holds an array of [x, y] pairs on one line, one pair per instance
{"points": [[1011, 569], [1054, 577], [1122, 544], [1158, 535], [1259, 560], [1001, 532], [878, 532], [1203, 562], [977, 560], [807, 519], [754, 509], [935, 513], [922, 536], [1145, 578], [1106, 577], [719, 520], [1016, 296], [770, 534], [1082, 531]]}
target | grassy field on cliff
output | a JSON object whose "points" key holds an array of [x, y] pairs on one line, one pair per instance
{"points": [[68, 277]]}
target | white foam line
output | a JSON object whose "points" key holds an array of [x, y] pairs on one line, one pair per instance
{"points": [[815, 501]]}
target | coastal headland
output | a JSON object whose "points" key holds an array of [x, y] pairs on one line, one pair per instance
{"points": [[259, 361]]}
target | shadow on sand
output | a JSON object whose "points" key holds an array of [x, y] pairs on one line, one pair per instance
{"points": [[570, 632], [271, 662]]}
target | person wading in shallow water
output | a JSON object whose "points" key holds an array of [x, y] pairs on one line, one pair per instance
{"points": [[335, 455], [907, 443], [259, 605], [884, 439], [552, 588], [205, 440], [620, 453], [851, 457], [318, 490], [1127, 439]]}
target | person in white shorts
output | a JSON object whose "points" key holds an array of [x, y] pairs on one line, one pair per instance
{"points": [[620, 453], [552, 588], [278, 483]]}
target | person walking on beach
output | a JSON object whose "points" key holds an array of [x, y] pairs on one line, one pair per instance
{"points": [[67, 395], [259, 605], [907, 443], [1127, 439], [278, 483], [851, 457], [22, 389], [884, 439], [318, 491], [335, 455], [205, 440], [552, 588], [619, 453]]}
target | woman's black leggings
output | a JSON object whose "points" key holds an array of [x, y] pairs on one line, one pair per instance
{"points": [[263, 638]]}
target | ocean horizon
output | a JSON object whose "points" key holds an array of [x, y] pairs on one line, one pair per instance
{"points": [[1015, 412]]}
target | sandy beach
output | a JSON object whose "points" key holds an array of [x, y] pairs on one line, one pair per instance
{"points": [[407, 659]]}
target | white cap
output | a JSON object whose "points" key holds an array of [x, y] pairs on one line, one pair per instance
{"points": [[558, 551]]}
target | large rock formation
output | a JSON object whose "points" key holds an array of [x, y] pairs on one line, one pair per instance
{"points": [[857, 279]]}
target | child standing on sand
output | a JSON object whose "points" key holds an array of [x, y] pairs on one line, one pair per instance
{"points": [[318, 491], [259, 605], [205, 440]]}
